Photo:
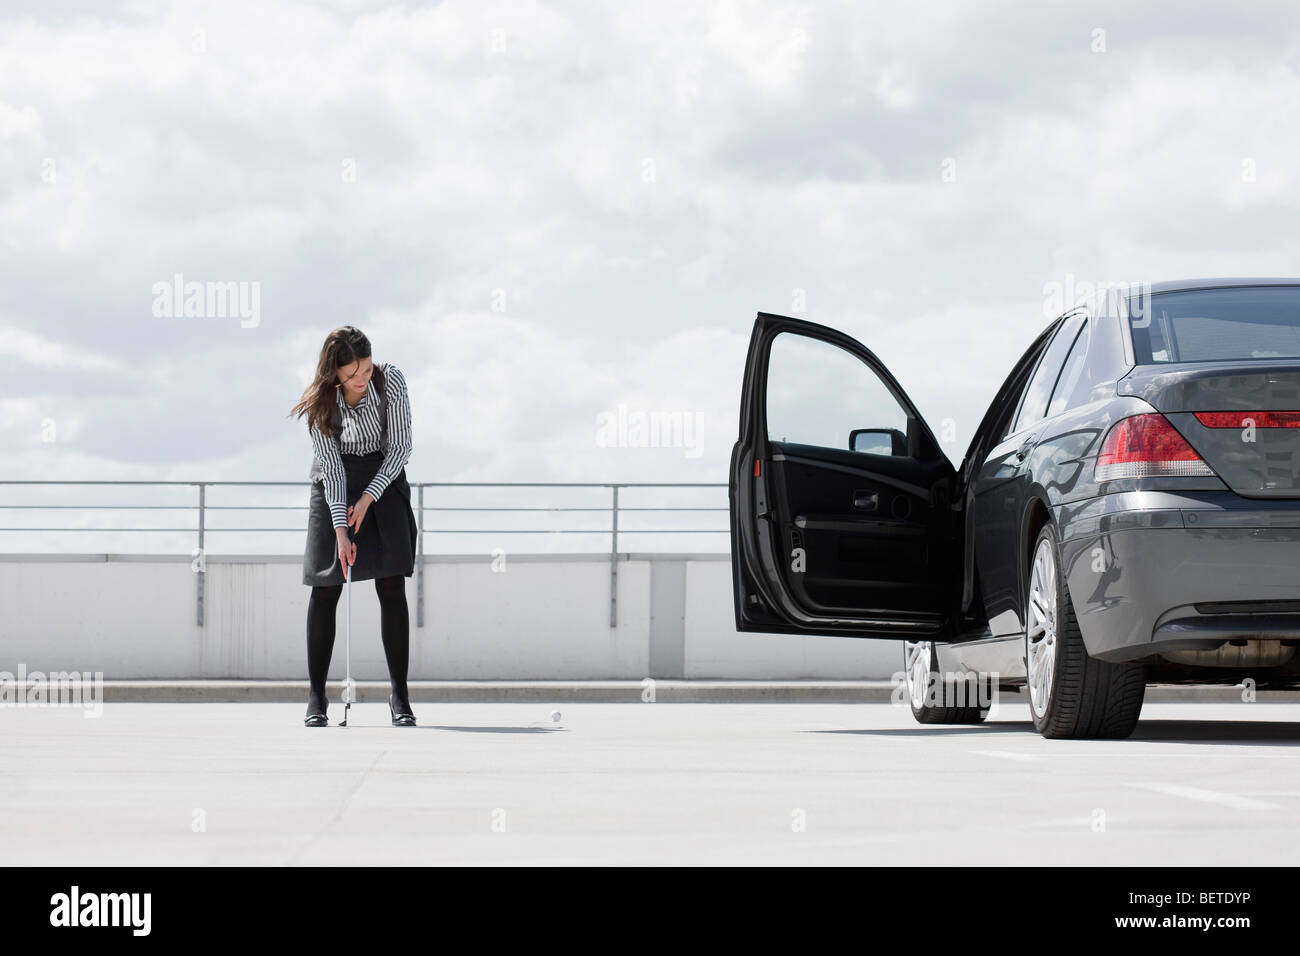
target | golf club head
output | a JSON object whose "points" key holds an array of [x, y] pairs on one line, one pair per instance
{"points": [[344, 721]]}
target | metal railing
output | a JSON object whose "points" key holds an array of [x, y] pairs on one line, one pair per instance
{"points": [[613, 510]]}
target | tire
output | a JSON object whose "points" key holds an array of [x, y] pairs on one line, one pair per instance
{"points": [[1071, 694], [919, 664]]}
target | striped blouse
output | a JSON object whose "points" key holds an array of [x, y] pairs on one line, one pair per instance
{"points": [[360, 434]]}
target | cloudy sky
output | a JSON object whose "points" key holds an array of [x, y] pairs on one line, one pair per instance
{"points": [[543, 212]]}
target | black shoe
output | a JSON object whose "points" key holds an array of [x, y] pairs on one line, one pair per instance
{"points": [[400, 711], [316, 713]]}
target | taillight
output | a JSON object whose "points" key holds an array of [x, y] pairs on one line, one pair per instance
{"points": [[1147, 446], [1245, 419]]}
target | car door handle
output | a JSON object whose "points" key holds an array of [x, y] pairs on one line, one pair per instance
{"points": [[866, 500]]}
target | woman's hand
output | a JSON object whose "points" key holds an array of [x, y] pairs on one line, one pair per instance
{"points": [[358, 511], [347, 550]]}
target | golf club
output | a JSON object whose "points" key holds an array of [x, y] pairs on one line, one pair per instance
{"points": [[348, 694]]}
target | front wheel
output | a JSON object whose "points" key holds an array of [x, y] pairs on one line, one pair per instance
{"points": [[1070, 693], [940, 698]]}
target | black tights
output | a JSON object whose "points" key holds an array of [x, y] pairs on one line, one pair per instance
{"points": [[394, 628]]}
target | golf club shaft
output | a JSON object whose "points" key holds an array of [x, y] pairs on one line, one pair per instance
{"points": [[349, 639]]}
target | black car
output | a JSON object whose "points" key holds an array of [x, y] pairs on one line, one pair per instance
{"points": [[1128, 509]]}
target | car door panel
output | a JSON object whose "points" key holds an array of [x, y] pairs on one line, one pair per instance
{"points": [[998, 500], [828, 540], [1002, 493], [867, 537], [985, 447]]}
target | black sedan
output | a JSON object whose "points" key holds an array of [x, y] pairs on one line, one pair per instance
{"points": [[1128, 509]]}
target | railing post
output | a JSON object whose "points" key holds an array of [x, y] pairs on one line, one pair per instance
{"points": [[613, 563], [419, 559], [203, 558]]}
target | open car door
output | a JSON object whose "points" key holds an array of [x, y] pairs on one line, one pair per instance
{"points": [[841, 498]]}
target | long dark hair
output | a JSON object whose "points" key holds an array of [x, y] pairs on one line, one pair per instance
{"points": [[343, 346]]}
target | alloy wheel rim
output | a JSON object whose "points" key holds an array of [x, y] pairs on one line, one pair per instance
{"points": [[917, 660], [1040, 631]]}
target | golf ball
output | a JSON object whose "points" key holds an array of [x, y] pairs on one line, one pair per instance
{"points": [[555, 716]]}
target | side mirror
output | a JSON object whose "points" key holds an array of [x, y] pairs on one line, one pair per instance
{"points": [[878, 441]]}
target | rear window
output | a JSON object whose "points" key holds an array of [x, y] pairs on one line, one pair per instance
{"points": [[1204, 325]]}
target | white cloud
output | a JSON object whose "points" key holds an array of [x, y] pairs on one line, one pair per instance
{"points": [[31, 348], [503, 149]]}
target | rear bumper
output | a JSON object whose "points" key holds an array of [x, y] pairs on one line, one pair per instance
{"points": [[1151, 572]]}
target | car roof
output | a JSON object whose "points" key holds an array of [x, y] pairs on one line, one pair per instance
{"points": [[1182, 285]]}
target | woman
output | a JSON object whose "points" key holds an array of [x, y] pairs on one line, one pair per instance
{"points": [[360, 519]]}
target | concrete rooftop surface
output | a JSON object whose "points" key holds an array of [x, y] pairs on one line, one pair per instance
{"points": [[641, 783]]}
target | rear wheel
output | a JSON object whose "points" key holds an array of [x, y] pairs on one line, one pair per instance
{"points": [[933, 699], [1070, 693]]}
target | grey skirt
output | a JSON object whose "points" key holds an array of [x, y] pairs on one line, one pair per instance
{"points": [[386, 542]]}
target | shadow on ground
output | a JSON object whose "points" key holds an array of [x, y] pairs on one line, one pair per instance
{"points": [[493, 730], [1249, 732]]}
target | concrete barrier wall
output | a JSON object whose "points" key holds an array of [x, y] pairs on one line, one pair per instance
{"points": [[544, 617]]}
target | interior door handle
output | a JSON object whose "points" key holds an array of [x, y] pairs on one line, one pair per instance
{"points": [[866, 500]]}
